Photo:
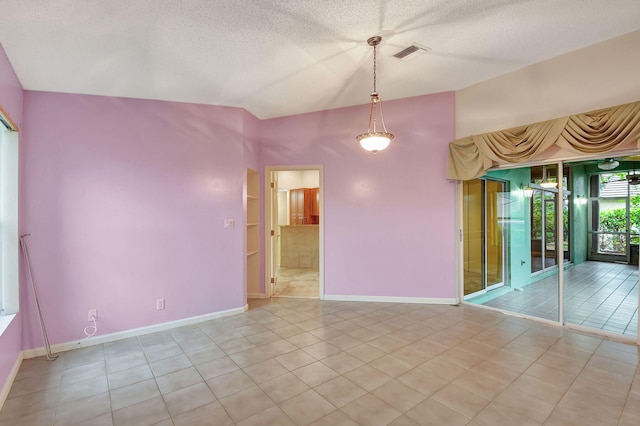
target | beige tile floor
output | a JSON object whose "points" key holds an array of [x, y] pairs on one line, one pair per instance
{"points": [[293, 282], [600, 295], [305, 361]]}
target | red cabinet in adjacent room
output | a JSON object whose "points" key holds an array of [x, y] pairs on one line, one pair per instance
{"points": [[303, 206]]}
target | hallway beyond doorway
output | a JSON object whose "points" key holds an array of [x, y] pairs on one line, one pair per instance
{"points": [[297, 283], [294, 221]]}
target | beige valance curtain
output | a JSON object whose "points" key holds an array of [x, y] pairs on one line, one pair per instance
{"points": [[588, 133]]}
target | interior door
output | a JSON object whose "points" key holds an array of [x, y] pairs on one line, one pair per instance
{"points": [[274, 232]]}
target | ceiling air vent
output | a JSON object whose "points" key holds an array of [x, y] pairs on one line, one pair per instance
{"points": [[411, 52]]}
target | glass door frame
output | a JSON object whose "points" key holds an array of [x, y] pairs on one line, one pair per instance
{"points": [[503, 235], [505, 249], [559, 215], [559, 245]]}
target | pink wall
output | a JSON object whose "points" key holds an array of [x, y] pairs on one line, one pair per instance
{"points": [[11, 100], [125, 200], [389, 217]]}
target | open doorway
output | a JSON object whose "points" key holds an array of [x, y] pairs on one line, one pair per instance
{"points": [[614, 213], [293, 239]]}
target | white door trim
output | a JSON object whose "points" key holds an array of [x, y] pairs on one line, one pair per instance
{"points": [[267, 221]]}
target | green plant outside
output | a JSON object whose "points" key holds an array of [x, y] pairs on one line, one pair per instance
{"points": [[615, 220], [536, 218]]}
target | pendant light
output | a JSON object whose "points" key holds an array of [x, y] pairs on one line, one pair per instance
{"points": [[375, 140], [546, 183], [608, 164], [526, 190]]}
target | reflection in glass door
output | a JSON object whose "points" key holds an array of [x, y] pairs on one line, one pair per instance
{"points": [[544, 226], [494, 238], [528, 214], [484, 242], [584, 214]]}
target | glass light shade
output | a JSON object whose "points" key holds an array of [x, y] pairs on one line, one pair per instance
{"points": [[608, 164], [548, 184], [528, 192], [375, 141]]}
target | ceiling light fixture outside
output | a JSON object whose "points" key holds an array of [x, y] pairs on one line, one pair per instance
{"points": [[548, 184], [375, 140], [527, 190], [608, 164]]}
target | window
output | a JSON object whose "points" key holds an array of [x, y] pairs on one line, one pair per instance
{"points": [[9, 242], [615, 210]]}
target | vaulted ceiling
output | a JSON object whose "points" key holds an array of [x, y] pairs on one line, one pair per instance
{"points": [[283, 57]]}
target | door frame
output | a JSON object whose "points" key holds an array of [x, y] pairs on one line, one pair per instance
{"points": [[268, 217], [504, 236], [459, 201], [603, 257], [543, 226]]}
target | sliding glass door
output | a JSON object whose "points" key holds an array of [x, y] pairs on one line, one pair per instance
{"points": [[543, 230], [556, 244], [484, 243], [510, 253]]}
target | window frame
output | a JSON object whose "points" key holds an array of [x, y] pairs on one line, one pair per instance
{"points": [[9, 238]]}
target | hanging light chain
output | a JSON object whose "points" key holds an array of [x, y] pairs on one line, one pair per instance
{"points": [[375, 140], [374, 67]]}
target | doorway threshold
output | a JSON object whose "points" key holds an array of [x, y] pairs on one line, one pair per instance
{"points": [[489, 295]]}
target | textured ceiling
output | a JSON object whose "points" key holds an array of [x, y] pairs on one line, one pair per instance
{"points": [[283, 57]]}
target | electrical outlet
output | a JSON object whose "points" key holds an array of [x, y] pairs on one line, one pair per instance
{"points": [[160, 304], [93, 314]]}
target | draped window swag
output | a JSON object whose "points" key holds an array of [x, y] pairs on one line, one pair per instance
{"points": [[592, 132]]}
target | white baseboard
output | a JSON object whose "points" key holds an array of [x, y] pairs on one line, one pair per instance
{"points": [[392, 299], [12, 376], [98, 340]]}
